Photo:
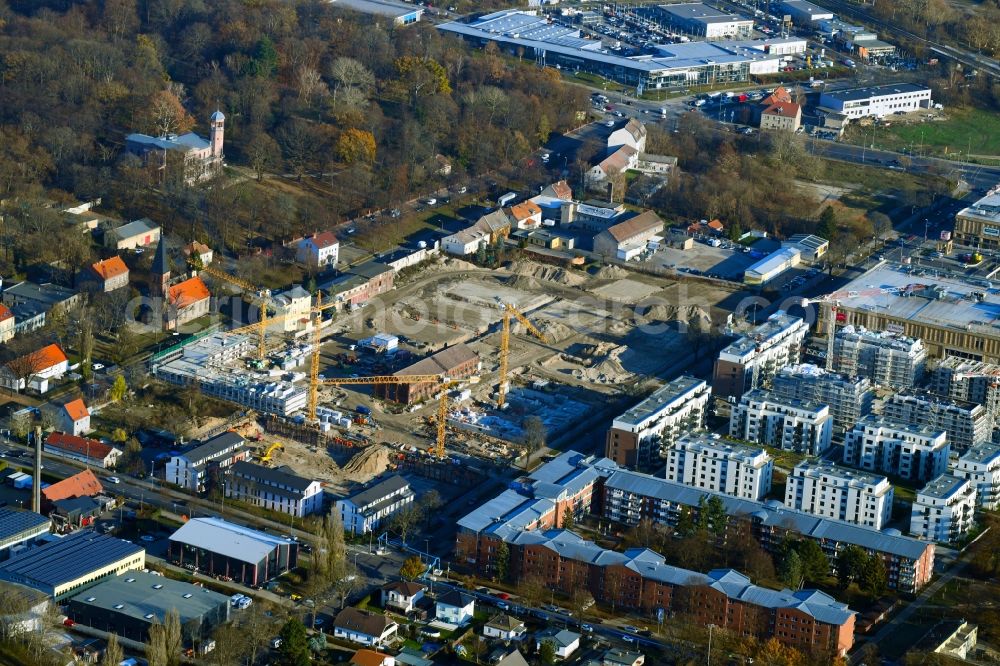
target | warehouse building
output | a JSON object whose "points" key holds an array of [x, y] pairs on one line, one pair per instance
{"points": [[981, 466], [754, 359], [18, 527], [712, 463], [639, 438], [840, 493], [791, 424], [849, 398], [628, 239], [220, 548], [886, 358], [947, 315], [944, 509], [82, 449], [979, 224], [804, 12], [455, 363], [700, 20], [877, 101], [965, 422], [772, 266], [400, 13], [916, 453], [72, 563], [128, 605]]}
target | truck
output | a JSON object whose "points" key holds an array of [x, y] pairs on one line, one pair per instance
{"points": [[506, 199], [366, 411]]}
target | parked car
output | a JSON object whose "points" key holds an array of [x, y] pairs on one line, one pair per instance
{"points": [[113, 479]]}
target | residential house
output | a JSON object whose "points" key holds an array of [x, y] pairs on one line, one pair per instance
{"points": [[359, 284], [626, 240], [34, 370], [199, 159], [45, 297], [465, 242], [190, 470], [402, 596], [295, 305], [138, 234], [83, 484], [504, 627], [74, 417], [622, 657], [783, 117], [712, 463], [496, 224], [633, 135], [7, 324], [515, 658], [454, 607], [526, 215], [372, 658], [564, 641], [276, 489], [366, 510], [319, 250], [365, 628], [186, 301], [662, 165], [104, 276], [620, 161], [198, 251], [82, 449]]}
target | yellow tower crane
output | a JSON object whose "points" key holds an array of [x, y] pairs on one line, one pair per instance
{"points": [[262, 296], [508, 311], [444, 383]]}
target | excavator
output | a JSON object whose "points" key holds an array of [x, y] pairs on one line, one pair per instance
{"points": [[269, 453]]}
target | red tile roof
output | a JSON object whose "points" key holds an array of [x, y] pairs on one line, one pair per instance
{"points": [[524, 210], [635, 226], [786, 109], [109, 268], [324, 239], [369, 658], [187, 293], [562, 190], [779, 96], [715, 224], [79, 445], [47, 357], [76, 409], [5, 312], [84, 484]]}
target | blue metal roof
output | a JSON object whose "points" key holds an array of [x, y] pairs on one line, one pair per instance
{"points": [[14, 522], [189, 141], [66, 559]]}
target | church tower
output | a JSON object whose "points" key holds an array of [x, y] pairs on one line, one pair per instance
{"points": [[159, 274], [217, 133]]}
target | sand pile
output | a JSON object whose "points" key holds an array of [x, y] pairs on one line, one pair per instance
{"points": [[661, 312], [547, 273], [608, 369], [368, 463], [523, 282], [611, 273], [554, 331], [460, 265]]}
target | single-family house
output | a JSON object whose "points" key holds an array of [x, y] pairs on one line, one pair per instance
{"points": [[504, 627], [365, 657], [34, 370], [623, 159], [7, 323], [715, 227], [83, 449], [627, 239], [73, 417], [318, 250], [633, 135], [496, 224], [662, 165], [198, 251], [783, 117], [558, 190], [295, 305], [402, 596], [526, 215], [104, 276], [465, 242], [365, 628], [564, 641], [137, 234], [454, 607], [186, 301]]}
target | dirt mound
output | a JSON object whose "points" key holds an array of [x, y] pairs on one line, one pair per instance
{"points": [[661, 312], [547, 273], [554, 331], [523, 282], [368, 463], [611, 273], [607, 369], [460, 265]]}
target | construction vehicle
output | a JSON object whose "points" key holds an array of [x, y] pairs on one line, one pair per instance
{"points": [[269, 453], [508, 311]]}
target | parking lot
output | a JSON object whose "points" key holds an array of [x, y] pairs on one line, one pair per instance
{"points": [[727, 261]]}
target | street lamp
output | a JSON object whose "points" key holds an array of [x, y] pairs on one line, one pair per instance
{"points": [[709, 659]]}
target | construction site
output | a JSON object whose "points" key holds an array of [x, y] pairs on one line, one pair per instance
{"points": [[440, 374]]}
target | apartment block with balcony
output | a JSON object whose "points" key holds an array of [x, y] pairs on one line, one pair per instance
{"points": [[791, 424], [754, 359], [840, 493], [915, 453], [639, 438], [972, 381], [849, 398], [944, 509], [966, 423], [981, 466], [887, 359], [712, 463]]}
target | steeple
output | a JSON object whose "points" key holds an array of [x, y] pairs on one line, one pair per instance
{"points": [[159, 274]]}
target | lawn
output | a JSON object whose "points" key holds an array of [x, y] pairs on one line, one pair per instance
{"points": [[965, 130]]}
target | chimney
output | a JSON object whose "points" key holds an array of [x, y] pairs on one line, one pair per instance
{"points": [[36, 483]]}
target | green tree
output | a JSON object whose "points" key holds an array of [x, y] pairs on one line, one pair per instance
{"points": [[874, 578], [827, 226], [790, 570], [547, 651], [118, 389], [717, 516], [113, 654], [685, 522], [850, 564], [501, 561], [265, 59], [294, 650], [156, 647], [413, 568], [815, 565]]}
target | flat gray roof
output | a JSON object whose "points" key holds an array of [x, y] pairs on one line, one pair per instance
{"points": [[145, 597], [670, 392], [697, 11], [942, 487], [380, 7], [885, 90], [986, 209], [228, 539]]}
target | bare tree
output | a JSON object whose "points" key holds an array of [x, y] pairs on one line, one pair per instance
{"points": [[405, 520], [533, 434], [113, 653], [156, 647]]}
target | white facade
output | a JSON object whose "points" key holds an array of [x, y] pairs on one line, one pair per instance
{"points": [[772, 266], [190, 470], [840, 493], [274, 489], [754, 359], [319, 250], [402, 596], [966, 423], [455, 608], [878, 101], [721, 466], [981, 466], [887, 359], [633, 134], [366, 510], [295, 305], [944, 509], [785, 423], [849, 398], [505, 628], [465, 242], [911, 452]]}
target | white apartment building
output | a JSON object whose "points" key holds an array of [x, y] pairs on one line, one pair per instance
{"points": [[877, 101], [785, 423], [639, 438], [849, 398], [295, 305], [366, 510], [840, 493], [320, 249], [712, 463], [190, 470], [981, 466], [972, 381], [274, 488], [754, 359], [887, 359], [944, 509], [916, 453], [966, 423]]}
